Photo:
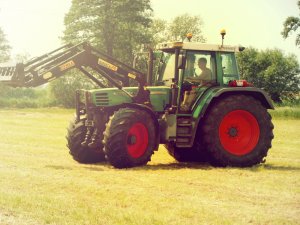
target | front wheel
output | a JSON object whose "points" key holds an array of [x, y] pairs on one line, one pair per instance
{"points": [[82, 154], [129, 138], [237, 131]]}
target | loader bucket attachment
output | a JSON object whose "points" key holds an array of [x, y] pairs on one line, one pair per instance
{"points": [[50, 66], [12, 75], [29, 74], [6, 73]]}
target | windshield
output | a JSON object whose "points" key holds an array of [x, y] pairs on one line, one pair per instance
{"points": [[166, 68]]}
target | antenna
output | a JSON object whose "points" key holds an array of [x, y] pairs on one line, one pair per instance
{"points": [[223, 33]]}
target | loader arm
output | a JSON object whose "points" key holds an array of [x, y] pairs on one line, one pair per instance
{"points": [[55, 64]]}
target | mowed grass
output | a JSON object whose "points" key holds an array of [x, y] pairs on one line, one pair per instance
{"points": [[41, 184]]}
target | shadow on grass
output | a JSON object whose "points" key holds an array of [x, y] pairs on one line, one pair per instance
{"points": [[193, 165], [176, 166], [160, 166], [97, 166], [274, 167], [59, 167], [207, 166], [179, 165], [93, 167]]}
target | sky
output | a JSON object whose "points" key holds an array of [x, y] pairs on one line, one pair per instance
{"points": [[34, 27]]}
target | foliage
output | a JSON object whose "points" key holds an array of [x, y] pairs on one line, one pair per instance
{"points": [[116, 26], [63, 89], [184, 24], [4, 47], [158, 31], [25, 97], [177, 29], [292, 24], [16, 97], [286, 112], [21, 58], [271, 70]]}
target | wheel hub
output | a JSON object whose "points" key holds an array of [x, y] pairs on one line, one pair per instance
{"points": [[131, 140], [233, 132], [239, 132], [137, 140]]}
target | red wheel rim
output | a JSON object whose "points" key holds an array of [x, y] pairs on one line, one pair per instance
{"points": [[239, 132], [137, 140]]}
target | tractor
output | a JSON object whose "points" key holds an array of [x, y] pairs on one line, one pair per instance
{"points": [[191, 100]]}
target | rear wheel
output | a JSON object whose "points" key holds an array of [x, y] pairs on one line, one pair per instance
{"points": [[237, 131], [82, 154], [129, 138]]}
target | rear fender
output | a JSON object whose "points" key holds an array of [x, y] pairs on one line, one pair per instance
{"points": [[259, 94]]}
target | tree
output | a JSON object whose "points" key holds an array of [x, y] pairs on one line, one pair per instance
{"points": [[4, 47], [177, 29], [183, 24], [116, 26], [271, 70], [291, 24], [158, 31]]}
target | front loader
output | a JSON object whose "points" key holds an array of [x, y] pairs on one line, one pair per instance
{"points": [[215, 117]]}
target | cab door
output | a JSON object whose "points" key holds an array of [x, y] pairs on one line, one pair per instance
{"points": [[199, 74]]}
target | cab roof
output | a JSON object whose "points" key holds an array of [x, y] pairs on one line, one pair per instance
{"points": [[171, 46]]}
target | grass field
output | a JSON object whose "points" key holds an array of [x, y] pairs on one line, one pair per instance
{"points": [[41, 184]]}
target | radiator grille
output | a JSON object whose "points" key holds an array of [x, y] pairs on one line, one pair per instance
{"points": [[102, 99]]}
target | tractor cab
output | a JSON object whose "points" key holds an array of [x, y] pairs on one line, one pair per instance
{"points": [[192, 68]]}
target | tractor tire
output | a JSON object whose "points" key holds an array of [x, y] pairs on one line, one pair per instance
{"points": [[82, 154], [237, 131], [129, 138]]}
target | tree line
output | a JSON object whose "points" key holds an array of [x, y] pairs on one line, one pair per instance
{"points": [[121, 28]]}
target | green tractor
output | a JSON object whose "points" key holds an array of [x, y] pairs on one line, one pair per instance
{"points": [[194, 104]]}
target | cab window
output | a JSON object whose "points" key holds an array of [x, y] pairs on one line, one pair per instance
{"points": [[200, 67], [229, 67], [170, 68], [166, 69]]}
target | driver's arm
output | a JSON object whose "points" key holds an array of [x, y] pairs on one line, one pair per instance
{"points": [[193, 79]]}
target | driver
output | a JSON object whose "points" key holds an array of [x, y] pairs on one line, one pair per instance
{"points": [[205, 75], [204, 79]]}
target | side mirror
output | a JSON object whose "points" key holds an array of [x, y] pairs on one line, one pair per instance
{"points": [[181, 62]]}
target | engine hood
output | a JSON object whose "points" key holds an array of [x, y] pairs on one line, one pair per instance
{"points": [[160, 96]]}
